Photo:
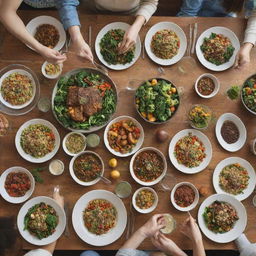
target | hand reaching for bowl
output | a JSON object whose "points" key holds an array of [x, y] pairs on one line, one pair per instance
{"points": [[52, 56], [243, 56]]}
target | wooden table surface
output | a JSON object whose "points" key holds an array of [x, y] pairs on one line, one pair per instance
{"points": [[12, 51]]}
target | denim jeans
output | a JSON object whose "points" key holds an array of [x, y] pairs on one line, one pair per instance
{"points": [[89, 253]]}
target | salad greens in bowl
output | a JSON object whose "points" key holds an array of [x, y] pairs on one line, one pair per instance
{"points": [[84, 100], [248, 94], [157, 100]]}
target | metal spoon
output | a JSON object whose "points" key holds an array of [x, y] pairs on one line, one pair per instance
{"points": [[100, 67]]}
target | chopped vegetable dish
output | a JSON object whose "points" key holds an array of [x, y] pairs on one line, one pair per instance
{"points": [[148, 166], [37, 140], [200, 116], [17, 89], [100, 216], [190, 151], [109, 48], [41, 220], [157, 100], [184, 196], [123, 136], [52, 69], [249, 93], [234, 179], [75, 143], [145, 199], [17, 184]]}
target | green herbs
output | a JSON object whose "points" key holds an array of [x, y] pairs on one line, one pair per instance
{"points": [[217, 49], [233, 92], [85, 80], [249, 93], [36, 174], [41, 220], [109, 48], [200, 116], [157, 100]]}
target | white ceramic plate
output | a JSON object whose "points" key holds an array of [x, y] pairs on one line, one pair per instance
{"points": [[239, 226], [78, 222], [138, 144], [170, 26], [233, 160], [71, 170], [103, 31], [154, 182], [20, 199], [150, 209], [218, 30], [59, 229], [40, 20], [51, 76], [22, 72], [29, 157], [190, 207], [208, 151], [242, 131]]}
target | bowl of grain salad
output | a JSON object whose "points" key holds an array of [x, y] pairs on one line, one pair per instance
{"points": [[145, 200], [51, 71], [74, 143]]}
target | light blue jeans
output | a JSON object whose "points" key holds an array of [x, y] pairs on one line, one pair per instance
{"points": [[89, 253]]}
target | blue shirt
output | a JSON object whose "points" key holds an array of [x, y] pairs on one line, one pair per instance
{"points": [[210, 8], [40, 3]]}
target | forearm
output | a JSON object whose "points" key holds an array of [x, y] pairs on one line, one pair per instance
{"points": [[135, 240], [50, 247], [250, 32], [198, 248], [138, 23], [147, 9]]}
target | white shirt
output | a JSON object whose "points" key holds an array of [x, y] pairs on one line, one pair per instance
{"points": [[250, 32]]}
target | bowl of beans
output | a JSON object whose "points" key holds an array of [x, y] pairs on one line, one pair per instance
{"points": [[145, 200], [184, 196], [207, 85]]}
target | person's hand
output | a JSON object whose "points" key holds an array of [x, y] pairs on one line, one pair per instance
{"points": [[190, 229], [57, 197], [51, 55], [82, 49], [166, 245], [129, 39], [153, 225], [243, 55]]}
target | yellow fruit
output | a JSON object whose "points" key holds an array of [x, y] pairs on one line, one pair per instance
{"points": [[112, 162], [115, 174]]}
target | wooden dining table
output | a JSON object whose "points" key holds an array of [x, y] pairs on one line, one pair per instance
{"points": [[183, 74]]}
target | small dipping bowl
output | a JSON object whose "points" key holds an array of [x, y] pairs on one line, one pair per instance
{"points": [[56, 167], [51, 76]]}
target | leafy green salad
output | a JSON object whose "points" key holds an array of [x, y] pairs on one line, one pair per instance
{"points": [[109, 48], [107, 95], [249, 93], [41, 220], [157, 100]]}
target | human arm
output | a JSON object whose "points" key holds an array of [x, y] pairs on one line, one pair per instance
{"points": [[191, 230], [243, 55], [70, 20], [145, 11], [166, 245], [15, 26], [190, 8]]}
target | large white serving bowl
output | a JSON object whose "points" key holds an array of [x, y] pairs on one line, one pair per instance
{"points": [[217, 30], [208, 150], [190, 207], [154, 182], [40, 20], [239, 226], [170, 26], [138, 144], [20, 199], [234, 160], [242, 132], [28, 157], [59, 229], [103, 31], [78, 222], [22, 72], [72, 173]]}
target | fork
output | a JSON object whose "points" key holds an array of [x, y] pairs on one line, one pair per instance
{"points": [[194, 38], [130, 222]]}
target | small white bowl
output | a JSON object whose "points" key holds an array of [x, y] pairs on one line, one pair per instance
{"points": [[216, 83], [253, 146], [21, 199], [190, 207], [51, 76], [51, 167], [151, 183], [150, 209], [65, 147], [138, 144], [72, 173]]}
